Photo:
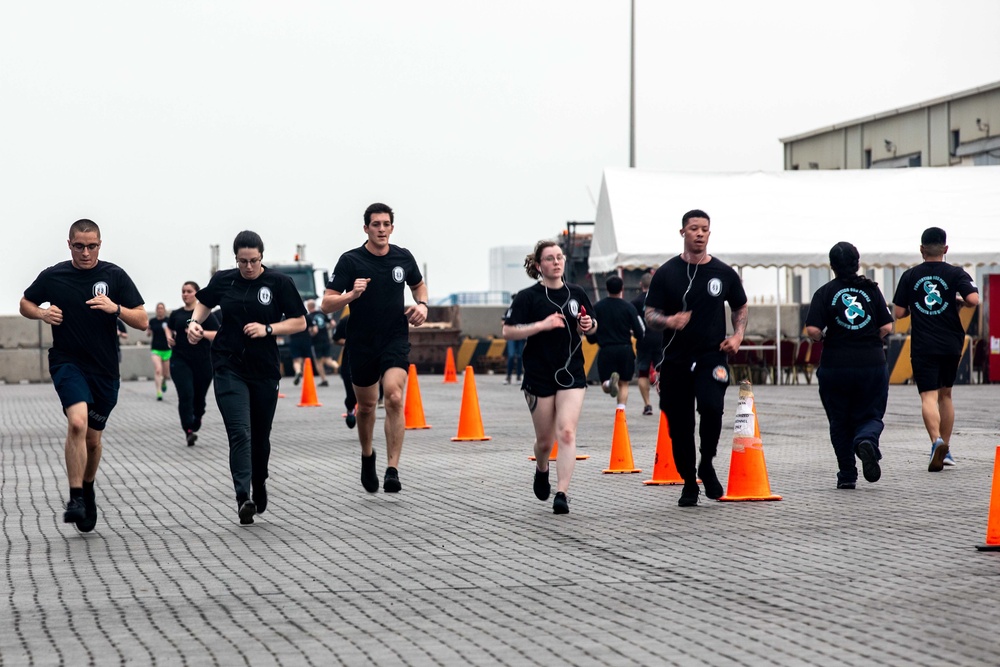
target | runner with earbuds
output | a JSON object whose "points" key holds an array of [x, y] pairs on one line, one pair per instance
{"points": [[685, 300], [552, 316]]}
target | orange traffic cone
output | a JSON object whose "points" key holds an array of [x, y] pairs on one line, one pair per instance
{"points": [[621, 446], [664, 468], [470, 422], [450, 376], [993, 523], [413, 411], [555, 451], [309, 399], [747, 472]]}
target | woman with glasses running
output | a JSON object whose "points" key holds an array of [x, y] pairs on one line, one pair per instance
{"points": [[254, 300], [190, 365], [551, 317]]}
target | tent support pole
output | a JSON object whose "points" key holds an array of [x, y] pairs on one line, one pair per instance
{"points": [[777, 318]]}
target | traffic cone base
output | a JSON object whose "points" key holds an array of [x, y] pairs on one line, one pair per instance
{"points": [[450, 376], [555, 451], [747, 471], [470, 421], [621, 448], [413, 409], [993, 521], [309, 399]]}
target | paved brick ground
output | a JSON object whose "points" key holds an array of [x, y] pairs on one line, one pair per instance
{"points": [[465, 566]]}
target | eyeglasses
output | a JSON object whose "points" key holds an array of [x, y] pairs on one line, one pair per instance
{"points": [[248, 262], [80, 247]]}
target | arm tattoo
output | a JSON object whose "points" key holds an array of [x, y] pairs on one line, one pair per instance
{"points": [[656, 319], [739, 317]]}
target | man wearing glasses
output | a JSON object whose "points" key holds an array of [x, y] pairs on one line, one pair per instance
{"points": [[86, 297]]}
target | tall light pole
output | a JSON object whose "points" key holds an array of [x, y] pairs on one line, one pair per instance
{"points": [[631, 106]]}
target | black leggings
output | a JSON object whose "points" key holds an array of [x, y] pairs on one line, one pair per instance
{"points": [[680, 387], [192, 382], [247, 407]]}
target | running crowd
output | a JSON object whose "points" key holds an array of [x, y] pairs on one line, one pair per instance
{"points": [[225, 335]]}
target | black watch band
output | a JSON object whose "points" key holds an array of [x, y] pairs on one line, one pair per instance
{"points": [[268, 329], [421, 303], [118, 313]]}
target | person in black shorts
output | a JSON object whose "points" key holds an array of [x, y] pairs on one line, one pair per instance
{"points": [[850, 314], [350, 398], [932, 294], [190, 365], [371, 278], [257, 305], [319, 333], [86, 297], [647, 350], [619, 324], [159, 350], [686, 299], [552, 315], [300, 346]]}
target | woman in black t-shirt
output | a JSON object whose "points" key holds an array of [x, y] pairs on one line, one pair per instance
{"points": [[552, 316], [159, 350], [850, 316], [254, 300], [190, 365]]}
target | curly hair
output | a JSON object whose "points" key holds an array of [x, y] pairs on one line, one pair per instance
{"points": [[532, 260]]}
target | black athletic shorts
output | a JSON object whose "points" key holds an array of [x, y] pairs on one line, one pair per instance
{"points": [[322, 349], [99, 392], [934, 371], [616, 359], [300, 350], [368, 365]]}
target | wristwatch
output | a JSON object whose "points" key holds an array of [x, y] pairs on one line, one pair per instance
{"points": [[267, 328], [422, 303]]}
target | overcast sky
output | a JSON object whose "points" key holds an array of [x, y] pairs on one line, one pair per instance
{"points": [[174, 125]]}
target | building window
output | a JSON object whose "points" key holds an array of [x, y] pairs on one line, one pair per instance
{"points": [[868, 158], [955, 142]]}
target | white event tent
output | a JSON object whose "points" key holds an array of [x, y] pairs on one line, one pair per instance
{"points": [[791, 218]]}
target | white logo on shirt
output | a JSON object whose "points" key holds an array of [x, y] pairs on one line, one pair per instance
{"points": [[574, 308], [100, 288], [397, 274], [264, 295], [715, 287]]}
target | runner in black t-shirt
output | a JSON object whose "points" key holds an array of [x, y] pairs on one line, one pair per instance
{"points": [[190, 365], [619, 324], [254, 301], [686, 299], [552, 315], [932, 293], [86, 297], [319, 332], [370, 279], [849, 312], [159, 349], [122, 335], [647, 350]]}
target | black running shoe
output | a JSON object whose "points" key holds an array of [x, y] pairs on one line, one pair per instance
{"points": [[846, 485], [191, 438], [260, 496], [298, 378], [90, 507], [246, 511], [76, 511], [391, 483], [561, 503], [647, 411], [351, 419], [542, 486], [713, 487], [324, 383], [869, 460], [369, 478], [689, 496]]}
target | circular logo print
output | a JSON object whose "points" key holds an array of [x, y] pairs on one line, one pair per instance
{"points": [[574, 308], [715, 287], [397, 274], [264, 295], [720, 373], [100, 288]]}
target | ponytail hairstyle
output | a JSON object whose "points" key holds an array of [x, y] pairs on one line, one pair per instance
{"points": [[845, 261], [532, 260]]}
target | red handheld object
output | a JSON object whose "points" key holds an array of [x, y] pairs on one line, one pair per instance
{"points": [[583, 311]]}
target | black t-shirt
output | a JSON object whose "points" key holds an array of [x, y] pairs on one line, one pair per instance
{"points": [[617, 322], [193, 354], [547, 351], [928, 290], [852, 313], [652, 339], [266, 299], [340, 334], [319, 320], [711, 284], [377, 316], [158, 330], [86, 336]]}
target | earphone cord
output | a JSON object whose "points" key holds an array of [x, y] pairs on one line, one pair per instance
{"points": [[663, 353], [569, 345]]}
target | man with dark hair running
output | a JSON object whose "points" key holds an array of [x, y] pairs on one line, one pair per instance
{"points": [[686, 299], [932, 293], [86, 297], [619, 324], [647, 350], [371, 278]]}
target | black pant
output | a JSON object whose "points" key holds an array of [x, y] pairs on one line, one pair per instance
{"points": [[350, 400], [854, 400], [680, 387], [247, 406], [192, 382]]}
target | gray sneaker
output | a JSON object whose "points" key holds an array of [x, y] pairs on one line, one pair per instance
{"points": [[938, 451]]}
